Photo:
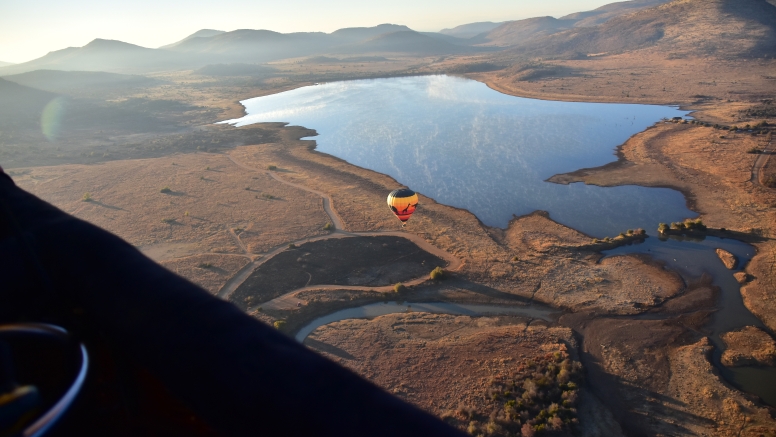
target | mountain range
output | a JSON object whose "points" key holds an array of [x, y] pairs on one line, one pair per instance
{"points": [[723, 28]]}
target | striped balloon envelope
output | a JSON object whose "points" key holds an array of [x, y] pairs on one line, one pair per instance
{"points": [[403, 203]]}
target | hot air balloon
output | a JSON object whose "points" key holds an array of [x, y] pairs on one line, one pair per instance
{"points": [[403, 202]]}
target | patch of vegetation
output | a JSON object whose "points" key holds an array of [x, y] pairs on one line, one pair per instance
{"points": [[279, 324], [770, 181], [272, 167], [165, 190], [687, 225], [169, 221], [538, 398], [539, 70], [234, 70], [766, 109], [268, 196], [477, 67], [87, 197], [328, 226], [754, 150], [291, 246], [438, 273], [205, 265], [399, 288]]}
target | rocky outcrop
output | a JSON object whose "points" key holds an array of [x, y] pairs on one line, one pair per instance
{"points": [[749, 346], [727, 258]]}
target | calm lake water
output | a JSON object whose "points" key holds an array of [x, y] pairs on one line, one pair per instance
{"points": [[468, 146]]}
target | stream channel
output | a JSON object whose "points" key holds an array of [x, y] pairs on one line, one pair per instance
{"points": [[466, 145]]}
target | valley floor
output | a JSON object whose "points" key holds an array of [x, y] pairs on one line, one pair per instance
{"points": [[217, 217]]}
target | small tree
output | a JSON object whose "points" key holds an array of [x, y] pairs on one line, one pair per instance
{"points": [[87, 197], [399, 288], [279, 324], [437, 273], [662, 228], [165, 190]]}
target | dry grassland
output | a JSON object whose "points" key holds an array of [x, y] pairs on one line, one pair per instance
{"points": [[212, 207]]}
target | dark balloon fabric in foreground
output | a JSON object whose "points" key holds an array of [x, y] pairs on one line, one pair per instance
{"points": [[238, 375]]}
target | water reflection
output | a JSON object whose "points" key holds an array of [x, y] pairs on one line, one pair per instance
{"points": [[465, 145]]}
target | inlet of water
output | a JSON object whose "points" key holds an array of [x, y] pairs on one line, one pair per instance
{"points": [[693, 257], [380, 309]]}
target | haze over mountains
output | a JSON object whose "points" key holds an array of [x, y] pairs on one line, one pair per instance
{"points": [[724, 28]]}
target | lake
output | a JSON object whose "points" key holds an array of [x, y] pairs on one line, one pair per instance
{"points": [[465, 145]]}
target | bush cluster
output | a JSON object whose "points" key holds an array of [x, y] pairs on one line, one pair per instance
{"points": [[165, 190], [687, 225], [399, 288], [627, 234], [538, 398], [437, 273]]}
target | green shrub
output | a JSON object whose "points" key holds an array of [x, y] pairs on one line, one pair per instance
{"points": [[291, 246], [437, 273], [169, 221], [328, 226], [205, 265], [754, 150], [677, 226], [662, 227], [165, 190], [87, 197], [399, 288], [272, 167], [279, 324]]}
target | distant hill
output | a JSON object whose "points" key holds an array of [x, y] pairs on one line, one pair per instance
{"points": [[67, 82], [3, 64], [259, 46], [203, 33], [448, 38], [521, 32], [471, 29], [355, 34], [245, 46], [102, 55], [21, 105], [607, 12], [720, 28], [409, 42]]}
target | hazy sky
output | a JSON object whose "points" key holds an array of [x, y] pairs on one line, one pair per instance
{"points": [[30, 29]]}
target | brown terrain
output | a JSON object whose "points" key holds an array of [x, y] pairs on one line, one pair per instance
{"points": [[258, 217]]}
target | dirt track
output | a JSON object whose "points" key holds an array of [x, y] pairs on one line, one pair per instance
{"points": [[287, 301]]}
